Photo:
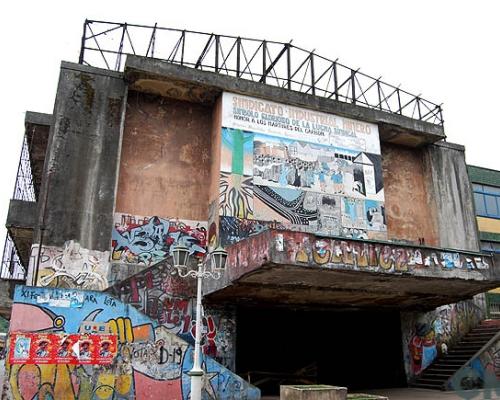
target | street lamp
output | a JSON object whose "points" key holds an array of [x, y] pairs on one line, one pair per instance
{"points": [[216, 265]]}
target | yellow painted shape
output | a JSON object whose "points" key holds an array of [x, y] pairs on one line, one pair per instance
{"points": [[122, 327], [63, 387], [105, 386], [123, 384], [488, 224]]}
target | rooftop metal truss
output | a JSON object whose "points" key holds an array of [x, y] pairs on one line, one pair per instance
{"points": [[106, 45]]}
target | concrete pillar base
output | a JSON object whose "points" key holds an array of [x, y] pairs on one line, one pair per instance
{"points": [[312, 392]]}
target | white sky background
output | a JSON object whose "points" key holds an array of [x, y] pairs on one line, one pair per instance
{"points": [[449, 51]]}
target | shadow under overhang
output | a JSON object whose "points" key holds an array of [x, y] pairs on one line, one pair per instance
{"points": [[291, 285]]}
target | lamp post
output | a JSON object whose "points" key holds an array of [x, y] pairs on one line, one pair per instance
{"points": [[217, 264]]}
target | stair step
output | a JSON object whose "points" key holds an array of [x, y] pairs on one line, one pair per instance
{"points": [[484, 330], [432, 370], [427, 386], [464, 351], [453, 356], [456, 365], [437, 374]]}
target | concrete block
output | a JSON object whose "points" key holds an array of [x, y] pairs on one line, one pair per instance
{"points": [[312, 392]]}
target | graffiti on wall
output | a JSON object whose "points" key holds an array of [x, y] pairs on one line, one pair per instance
{"points": [[60, 348], [151, 363], [377, 257], [71, 266], [169, 300], [425, 333], [482, 372], [316, 171], [147, 240]]}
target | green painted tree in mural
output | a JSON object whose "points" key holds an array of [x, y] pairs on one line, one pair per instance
{"points": [[238, 150], [236, 195]]}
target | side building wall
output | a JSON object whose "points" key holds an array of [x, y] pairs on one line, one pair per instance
{"points": [[162, 193], [451, 189], [77, 194]]}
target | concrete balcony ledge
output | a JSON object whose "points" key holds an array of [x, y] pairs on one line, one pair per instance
{"points": [[21, 220], [298, 267]]}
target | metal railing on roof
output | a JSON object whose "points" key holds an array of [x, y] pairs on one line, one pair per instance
{"points": [[106, 45]]}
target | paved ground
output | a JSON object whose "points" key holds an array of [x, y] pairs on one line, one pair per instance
{"points": [[423, 394]]}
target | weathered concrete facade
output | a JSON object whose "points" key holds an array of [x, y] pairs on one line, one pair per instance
{"points": [[165, 158], [451, 189], [411, 210], [380, 221]]}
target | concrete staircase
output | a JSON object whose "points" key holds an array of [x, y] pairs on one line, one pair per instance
{"points": [[437, 374]]}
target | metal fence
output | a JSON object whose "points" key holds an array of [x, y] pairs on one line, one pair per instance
{"points": [[24, 188], [106, 45], [12, 268]]}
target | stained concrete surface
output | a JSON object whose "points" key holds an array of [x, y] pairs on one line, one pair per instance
{"points": [[424, 394]]}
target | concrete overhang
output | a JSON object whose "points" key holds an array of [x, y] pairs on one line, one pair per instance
{"points": [[170, 80], [37, 127], [287, 267], [21, 220]]}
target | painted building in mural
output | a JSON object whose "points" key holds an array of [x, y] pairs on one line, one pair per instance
{"points": [[333, 213]]}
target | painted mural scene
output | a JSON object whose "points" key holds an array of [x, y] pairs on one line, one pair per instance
{"points": [[185, 230]]}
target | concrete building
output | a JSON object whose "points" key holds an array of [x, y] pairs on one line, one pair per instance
{"points": [[353, 263], [486, 187]]}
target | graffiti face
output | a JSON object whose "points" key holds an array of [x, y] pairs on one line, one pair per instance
{"points": [[148, 240]]}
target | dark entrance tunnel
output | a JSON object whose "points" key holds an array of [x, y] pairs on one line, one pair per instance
{"points": [[356, 349]]}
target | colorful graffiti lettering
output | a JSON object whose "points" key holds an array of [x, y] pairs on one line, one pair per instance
{"points": [[232, 230], [151, 362], [71, 266], [379, 257], [169, 300], [147, 240]]}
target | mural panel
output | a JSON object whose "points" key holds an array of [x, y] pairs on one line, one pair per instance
{"points": [[307, 170]]}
